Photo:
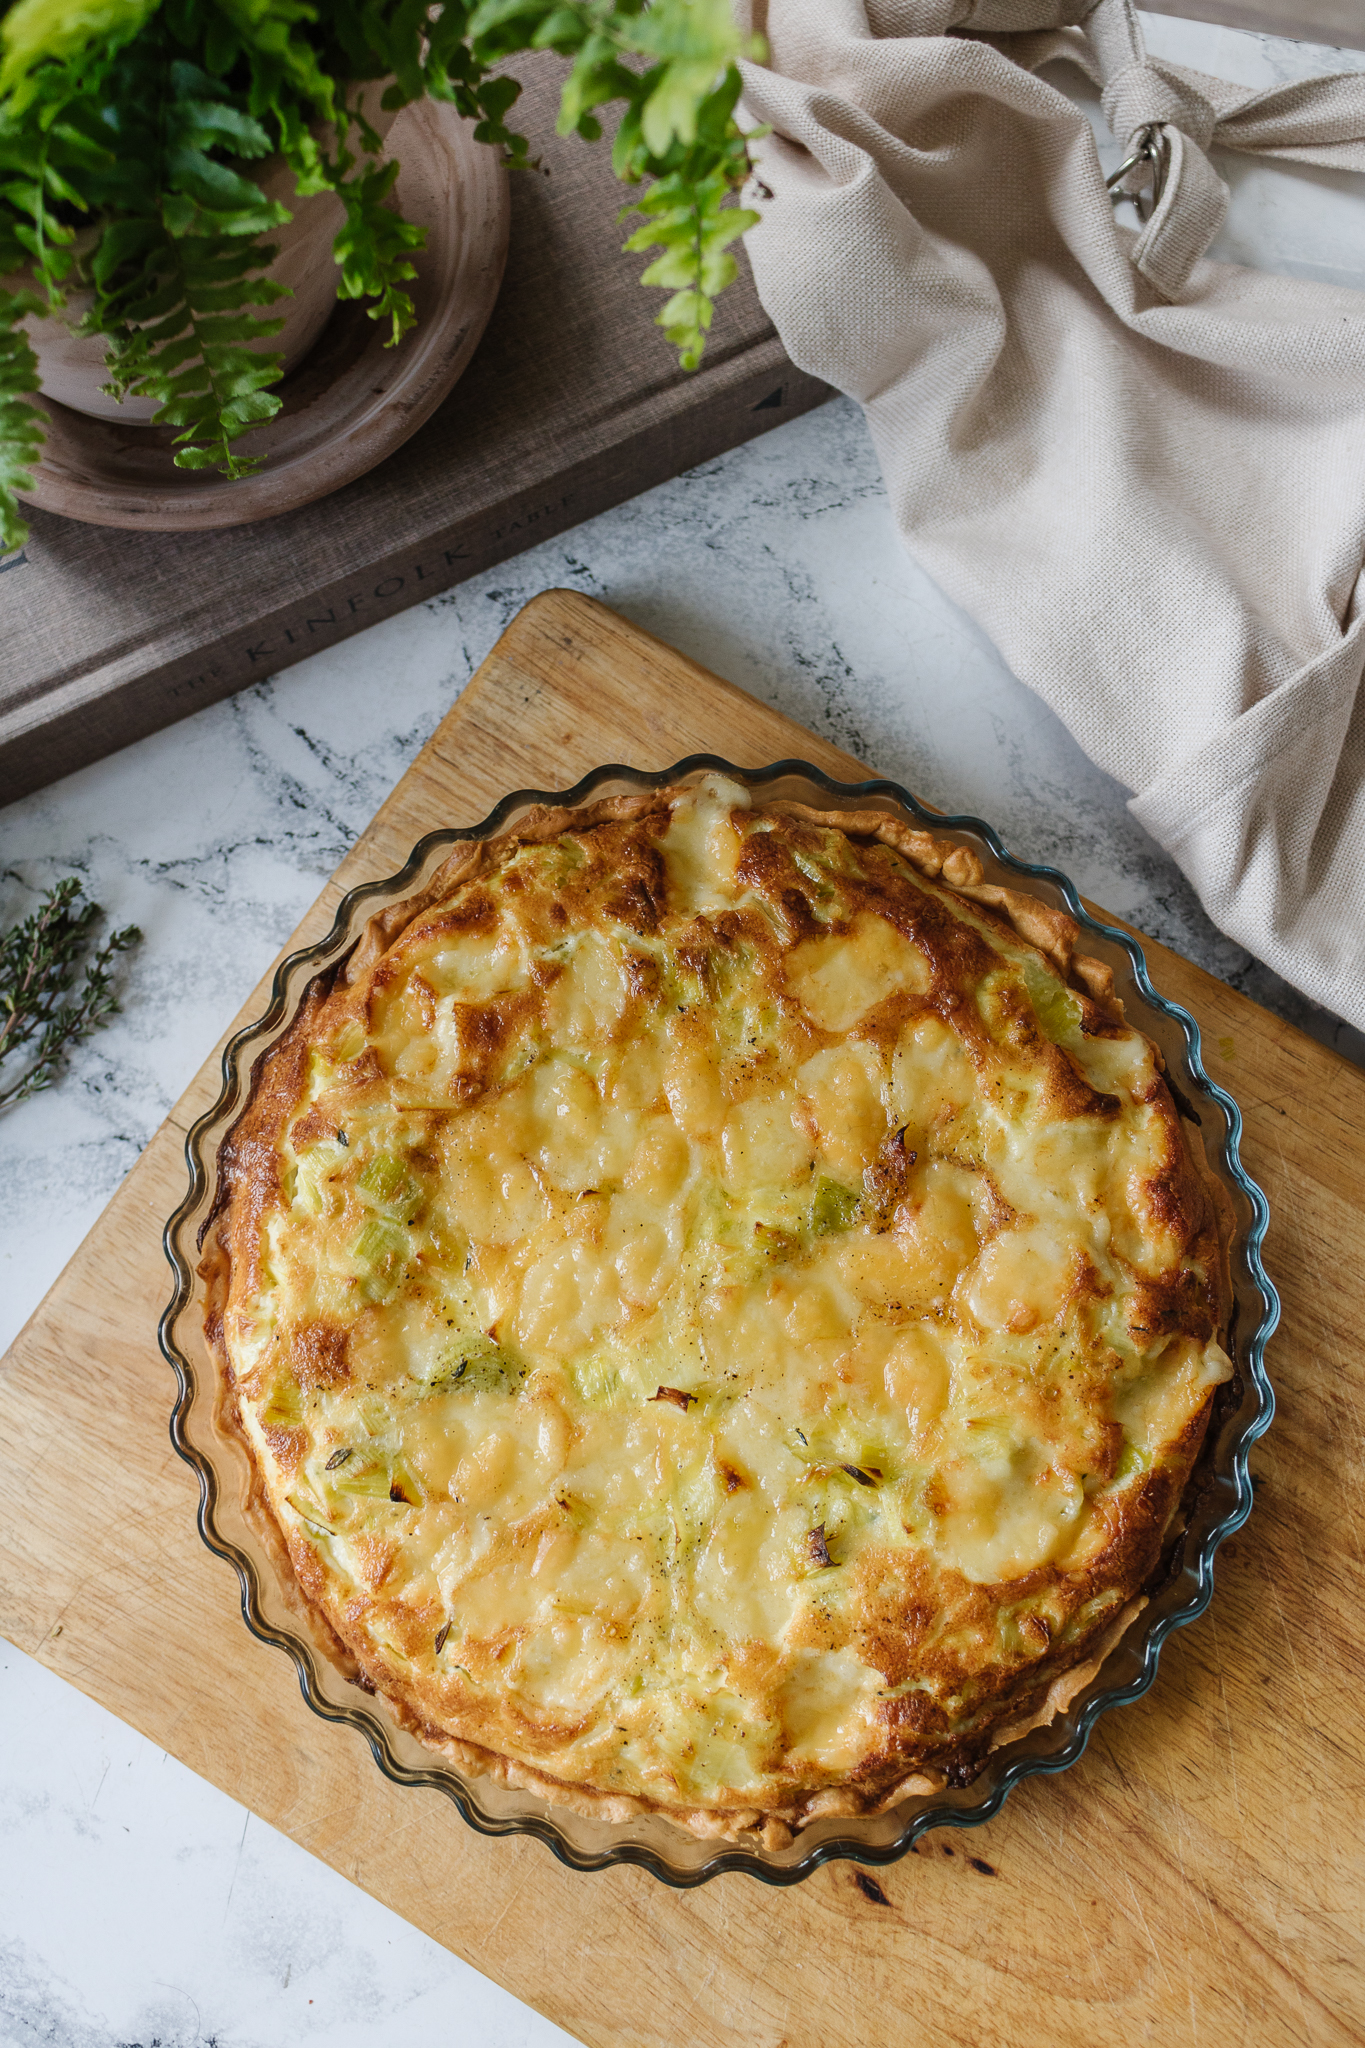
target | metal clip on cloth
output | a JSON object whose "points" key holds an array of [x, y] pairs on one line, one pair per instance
{"points": [[1150, 156]]}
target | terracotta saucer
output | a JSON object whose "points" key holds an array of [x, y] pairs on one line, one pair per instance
{"points": [[351, 401]]}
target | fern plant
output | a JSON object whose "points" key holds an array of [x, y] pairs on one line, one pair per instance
{"points": [[127, 132]]}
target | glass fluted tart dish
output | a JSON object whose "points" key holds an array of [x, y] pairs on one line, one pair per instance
{"points": [[724, 1348]]}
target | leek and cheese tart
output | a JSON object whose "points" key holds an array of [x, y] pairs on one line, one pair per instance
{"points": [[722, 1308]]}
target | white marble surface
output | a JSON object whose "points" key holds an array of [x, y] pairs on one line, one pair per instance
{"points": [[137, 1904]]}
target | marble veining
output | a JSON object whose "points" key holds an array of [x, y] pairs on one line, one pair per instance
{"points": [[138, 1905], [1243, 56], [242, 1941]]}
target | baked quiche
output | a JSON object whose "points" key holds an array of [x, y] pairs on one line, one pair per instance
{"points": [[722, 1307]]}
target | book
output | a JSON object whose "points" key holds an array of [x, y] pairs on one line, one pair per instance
{"points": [[572, 403], [1335, 22]]}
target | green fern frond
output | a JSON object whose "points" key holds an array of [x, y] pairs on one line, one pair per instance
{"points": [[374, 248], [688, 215], [126, 127], [677, 133], [38, 35], [21, 422], [688, 221], [185, 343]]}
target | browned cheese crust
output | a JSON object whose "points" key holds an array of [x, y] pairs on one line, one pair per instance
{"points": [[722, 1308]]}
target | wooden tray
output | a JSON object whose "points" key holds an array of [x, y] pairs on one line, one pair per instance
{"points": [[1197, 1877]]}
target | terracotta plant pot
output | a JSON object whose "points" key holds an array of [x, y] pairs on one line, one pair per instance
{"points": [[72, 367]]}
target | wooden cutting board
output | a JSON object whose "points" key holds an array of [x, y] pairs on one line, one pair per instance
{"points": [[1197, 1877]]}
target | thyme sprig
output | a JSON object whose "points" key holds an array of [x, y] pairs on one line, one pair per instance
{"points": [[40, 1004]]}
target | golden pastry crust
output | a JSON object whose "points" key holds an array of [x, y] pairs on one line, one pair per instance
{"points": [[721, 1306]]}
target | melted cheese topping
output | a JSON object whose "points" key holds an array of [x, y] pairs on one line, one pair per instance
{"points": [[721, 1301]]}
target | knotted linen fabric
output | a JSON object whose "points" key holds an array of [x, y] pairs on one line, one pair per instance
{"points": [[1141, 470]]}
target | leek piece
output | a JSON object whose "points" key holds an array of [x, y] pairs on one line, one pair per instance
{"points": [[380, 1240], [348, 1044], [404, 1485], [382, 1178], [310, 1512], [597, 1383], [284, 1407], [994, 1439], [1134, 1459], [834, 1207], [363, 1482], [472, 1363], [379, 1255], [814, 873], [375, 1414], [1057, 1010], [310, 1189], [388, 1187]]}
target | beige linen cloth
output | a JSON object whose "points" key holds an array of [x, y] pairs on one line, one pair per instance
{"points": [[1141, 470]]}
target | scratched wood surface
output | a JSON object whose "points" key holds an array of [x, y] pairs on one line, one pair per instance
{"points": [[1197, 1877]]}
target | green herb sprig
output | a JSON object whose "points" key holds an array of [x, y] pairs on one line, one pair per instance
{"points": [[128, 129], [672, 66], [41, 1006]]}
